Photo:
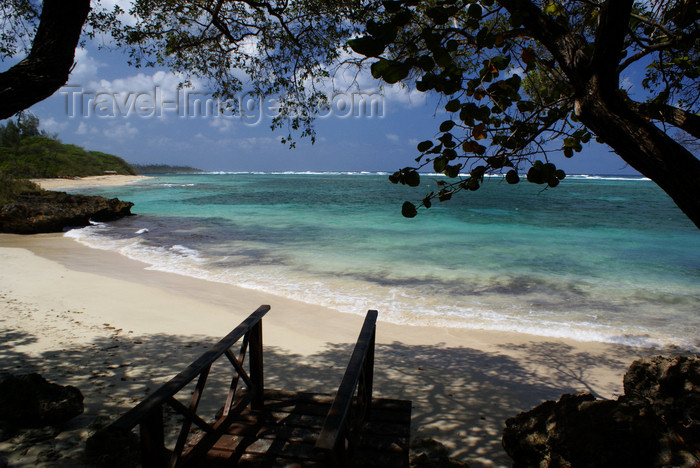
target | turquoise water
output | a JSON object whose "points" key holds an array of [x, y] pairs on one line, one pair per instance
{"points": [[599, 259]]}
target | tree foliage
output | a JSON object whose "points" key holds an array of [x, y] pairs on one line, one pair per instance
{"points": [[523, 79], [262, 48], [18, 23], [27, 151]]}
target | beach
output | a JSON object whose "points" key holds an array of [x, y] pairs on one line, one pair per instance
{"points": [[56, 183], [116, 330]]}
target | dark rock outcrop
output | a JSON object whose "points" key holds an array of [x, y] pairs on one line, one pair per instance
{"points": [[655, 423], [38, 212], [29, 400]]}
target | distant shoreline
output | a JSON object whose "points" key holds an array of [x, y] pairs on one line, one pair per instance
{"points": [[90, 181]]}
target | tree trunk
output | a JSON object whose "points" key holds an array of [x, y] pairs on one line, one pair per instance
{"points": [[642, 145], [601, 107], [50, 60]]}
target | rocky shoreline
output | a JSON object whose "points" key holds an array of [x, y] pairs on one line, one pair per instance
{"points": [[42, 212]]}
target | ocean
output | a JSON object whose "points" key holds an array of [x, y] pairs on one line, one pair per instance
{"points": [[604, 259]]}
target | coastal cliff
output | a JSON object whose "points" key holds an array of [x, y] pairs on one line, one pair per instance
{"points": [[40, 212]]}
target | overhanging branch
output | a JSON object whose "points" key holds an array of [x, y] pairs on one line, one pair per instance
{"points": [[50, 59], [684, 120], [610, 40]]}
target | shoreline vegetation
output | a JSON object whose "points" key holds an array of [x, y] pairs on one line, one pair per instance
{"points": [[150, 169], [119, 331], [27, 153]]}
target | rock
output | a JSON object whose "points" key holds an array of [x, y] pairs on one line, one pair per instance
{"points": [[661, 377], [113, 447], [429, 453], [7, 430], [36, 212], [50, 456], [655, 423], [31, 401]]}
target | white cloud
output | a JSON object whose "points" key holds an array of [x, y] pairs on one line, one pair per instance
{"points": [[125, 5], [256, 142], [392, 137], [157, 94], [124, 131], [51, 125], [84, 129], [351, 78], [223, 124], [85, 69], [626, 83]]}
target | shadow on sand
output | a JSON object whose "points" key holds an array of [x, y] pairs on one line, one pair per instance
{"points": [[461, 396]]}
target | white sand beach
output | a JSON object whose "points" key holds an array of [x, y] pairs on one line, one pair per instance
{"points": [[107, 325], [90, 181]]}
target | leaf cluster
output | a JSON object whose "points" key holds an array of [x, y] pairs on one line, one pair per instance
{"points": [[505, 108], [511, 100], [261, 48], [18, 22]]}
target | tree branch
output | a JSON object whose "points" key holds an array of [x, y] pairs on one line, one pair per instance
{"points": [[684, 120], [610, 41], [567, 48], [50, 59]]}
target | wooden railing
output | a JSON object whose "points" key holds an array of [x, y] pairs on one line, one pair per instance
{"points": [[342, 426], [148, 414]]}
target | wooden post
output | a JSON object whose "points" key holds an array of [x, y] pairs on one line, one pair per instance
{"points": [[152, 439], [369, 373], [256, 365]]}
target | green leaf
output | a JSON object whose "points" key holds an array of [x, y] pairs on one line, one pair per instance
{"points": [[402, 18], [412, 179], [378, 68], [367, 46], [408, 210], [474, 11], [424, 146], [439, 15], [391, 7], [425, 63], [535, 175], [478, 172], [444, 195], [526, 106], [501, 62], [453, 106], [439, 164], [554, 9], [479, 132], [447, 125], [395, 72], [452, 171], [512, 177]]}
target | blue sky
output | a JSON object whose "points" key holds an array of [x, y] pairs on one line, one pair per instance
{"points": [[125, 125]]}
